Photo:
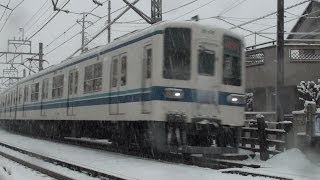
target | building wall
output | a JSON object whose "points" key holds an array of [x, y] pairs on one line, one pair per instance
{"points": [[301, 63]]}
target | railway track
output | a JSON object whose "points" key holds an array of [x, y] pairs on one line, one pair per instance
{"points": [[87, 171], [206, 162], [225, 166]]}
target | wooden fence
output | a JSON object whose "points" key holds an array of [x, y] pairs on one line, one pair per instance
{"points": [[266, 137]]}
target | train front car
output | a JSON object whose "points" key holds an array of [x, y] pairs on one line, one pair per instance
{"points": [[201, 89]]}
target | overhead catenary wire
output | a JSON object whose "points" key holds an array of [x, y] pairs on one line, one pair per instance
{"points": [[235, 4], [48, 21], [71, 27], [5, 10], [195, 9], [30, 19], [270, 14], [72, 37], [304, 16], [4, 24]]}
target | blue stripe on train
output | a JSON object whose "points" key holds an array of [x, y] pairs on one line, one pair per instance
{"points": [[156, 93]]}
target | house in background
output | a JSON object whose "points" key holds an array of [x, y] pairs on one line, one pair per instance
{"points": [[301, 63]]}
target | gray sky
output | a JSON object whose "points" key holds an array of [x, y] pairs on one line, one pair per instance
{"points": [[21, 18]]}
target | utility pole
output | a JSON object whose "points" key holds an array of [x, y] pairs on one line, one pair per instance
{"points": [[40, 56], [280, 61], [109, 20], [156, 10]]}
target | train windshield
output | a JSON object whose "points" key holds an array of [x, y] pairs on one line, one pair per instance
{"points": [[206, 58], [177, 52], [232, 61]]}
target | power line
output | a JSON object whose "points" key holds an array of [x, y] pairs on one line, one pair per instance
{"points": [[81, 31], [42, 15], [305, 15], [270, 14], [176, 8], [48, 21], [235, 4], [5, 10], [195, 9], [35, 13], [4, 24]]}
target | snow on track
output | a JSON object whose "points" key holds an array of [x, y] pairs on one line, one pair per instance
{"points": [[10, 170], [124, 165]]}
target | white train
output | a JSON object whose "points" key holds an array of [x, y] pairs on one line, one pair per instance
{"points": [[177, 83]]}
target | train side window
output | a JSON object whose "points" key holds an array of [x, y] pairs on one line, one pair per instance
{"points": [[123, 70], [206, 62], [45, 89], [57, 86], [34, 92], [73, 82], [20, 95], [93, 78], [148, 63], [114, 73], [15, 97], [26, 93]]}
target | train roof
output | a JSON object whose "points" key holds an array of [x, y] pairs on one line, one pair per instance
{"points": [[125, 38]]}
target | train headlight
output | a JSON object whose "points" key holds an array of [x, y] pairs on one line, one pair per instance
{"points": [[236, 99], [173, 93]]}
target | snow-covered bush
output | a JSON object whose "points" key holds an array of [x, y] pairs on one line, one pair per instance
{"points": [[309, 91], [249, 101]]}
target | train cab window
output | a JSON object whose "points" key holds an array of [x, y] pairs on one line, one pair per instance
{"points": [[45, 89], [123, 70], [206, 62], [232, 61], [20, 95], [93, 78], [34, 92], [57, 86], [114, 73], [26, 93], [177, 53]]}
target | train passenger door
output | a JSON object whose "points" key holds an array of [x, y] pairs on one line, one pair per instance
{"points": [[44, 95], [146, 79], [207, 79], [118, 84], [72, 91], [114, 87]]}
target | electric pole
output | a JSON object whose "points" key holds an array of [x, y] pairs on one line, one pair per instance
{"points": [[40, 56], [109, 20], [280, 61], [156, 10]]}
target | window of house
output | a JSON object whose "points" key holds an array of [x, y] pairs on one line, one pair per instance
{"points": [[93, 78], [35, 92], [57, 86], [123, 70]]}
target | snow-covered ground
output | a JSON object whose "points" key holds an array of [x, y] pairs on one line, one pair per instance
{"points": [[291, 164], [10, 170]]}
